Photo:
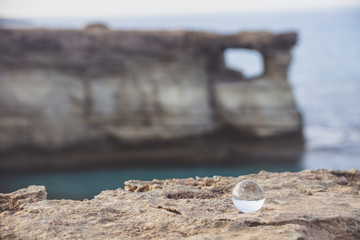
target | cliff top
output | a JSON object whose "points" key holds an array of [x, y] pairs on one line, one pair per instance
{"points": [[74, 46]]}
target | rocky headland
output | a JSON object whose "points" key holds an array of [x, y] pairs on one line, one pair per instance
{"points": [[97, 96], [321, 204]]}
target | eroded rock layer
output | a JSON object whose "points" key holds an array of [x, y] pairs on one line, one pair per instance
{"points": [[65, 89], [320, 204]]}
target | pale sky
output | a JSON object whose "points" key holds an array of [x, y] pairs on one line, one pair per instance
{"points": [[140, 8]]}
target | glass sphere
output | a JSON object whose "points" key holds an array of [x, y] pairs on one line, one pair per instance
{"points": [[248, 196]]}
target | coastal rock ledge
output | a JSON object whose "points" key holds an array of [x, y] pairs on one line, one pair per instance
{"points": [[321, 204]]}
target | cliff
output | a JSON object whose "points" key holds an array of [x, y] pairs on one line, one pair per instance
{"points": [[78, 94], [320, 204]]}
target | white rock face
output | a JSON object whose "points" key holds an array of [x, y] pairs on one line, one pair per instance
{"points": [[60, 89], [259, 107]]}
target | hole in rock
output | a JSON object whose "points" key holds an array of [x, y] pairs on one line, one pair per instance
{"points": [[249, 62]]}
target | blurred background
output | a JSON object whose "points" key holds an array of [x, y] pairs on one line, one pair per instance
{"points": [[324, 75]]}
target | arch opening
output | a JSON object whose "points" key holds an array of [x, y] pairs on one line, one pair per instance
{"points": [[249, 62]]}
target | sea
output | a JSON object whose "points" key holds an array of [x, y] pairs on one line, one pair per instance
{"points": [[324, 74]]}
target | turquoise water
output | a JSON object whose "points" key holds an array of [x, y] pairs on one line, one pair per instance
{"points": [[88, 183], [325, 75]]}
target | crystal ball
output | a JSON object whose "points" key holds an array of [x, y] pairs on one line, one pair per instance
{"points": [[248, 196]]}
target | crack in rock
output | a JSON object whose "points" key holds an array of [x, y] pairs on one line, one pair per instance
{"points": [[172, 210]]}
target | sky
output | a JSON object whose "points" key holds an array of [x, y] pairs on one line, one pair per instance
{"points": [[141, 8]]}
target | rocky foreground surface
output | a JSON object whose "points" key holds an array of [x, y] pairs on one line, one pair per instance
{"points": [[320, 204]]}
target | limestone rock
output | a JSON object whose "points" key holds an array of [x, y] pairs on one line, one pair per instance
{"points": [[320, 204], [84, 96]]}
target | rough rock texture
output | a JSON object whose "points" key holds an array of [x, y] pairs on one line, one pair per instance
{"points": [[320, 204], [73, 90]]}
